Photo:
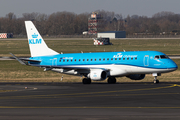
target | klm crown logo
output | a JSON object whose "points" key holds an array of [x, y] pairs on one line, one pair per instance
{"points": [[34, 35], [35, 40]]}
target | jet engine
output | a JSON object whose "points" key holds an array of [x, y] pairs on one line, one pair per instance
{"points": [[97, 74], [136, 76]]}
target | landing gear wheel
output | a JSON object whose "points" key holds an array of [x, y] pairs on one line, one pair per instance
{"points": [[156, 81], [111, 80], [86, 81]]}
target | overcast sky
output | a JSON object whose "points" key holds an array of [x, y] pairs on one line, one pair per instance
{"points": [[124, 7]]}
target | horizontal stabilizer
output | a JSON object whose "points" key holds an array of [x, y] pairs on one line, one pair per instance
{"points": [[20, 61], [26, 59]]}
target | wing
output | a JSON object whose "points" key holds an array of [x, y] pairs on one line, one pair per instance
{"points": [[68, 67], [24, 61]]}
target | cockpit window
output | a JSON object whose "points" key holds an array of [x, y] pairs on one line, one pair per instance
{"points": [[156, 57], [164, 57], [161, 57]]}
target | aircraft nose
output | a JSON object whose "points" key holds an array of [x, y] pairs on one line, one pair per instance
{"points": [[175, 66], [172, 66]]}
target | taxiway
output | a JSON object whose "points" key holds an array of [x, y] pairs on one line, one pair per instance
{"points": [[96, 101]]}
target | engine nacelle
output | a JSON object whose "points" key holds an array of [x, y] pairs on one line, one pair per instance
{"points": [[136, 76], [97, 75]]}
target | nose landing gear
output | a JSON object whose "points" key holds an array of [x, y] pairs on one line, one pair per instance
{"points": [[155, 77], [156, 80]]}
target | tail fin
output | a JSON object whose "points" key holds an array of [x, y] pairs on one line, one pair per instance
{"points": [[37, 45]]}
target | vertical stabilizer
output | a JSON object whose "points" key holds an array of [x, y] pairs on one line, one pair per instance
{"points": [[37, 45]]}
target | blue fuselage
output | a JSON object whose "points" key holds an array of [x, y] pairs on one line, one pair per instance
{"points": [[141, 59]]}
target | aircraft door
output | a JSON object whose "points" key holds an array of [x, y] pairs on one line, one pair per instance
{"points": [[146, 60]]}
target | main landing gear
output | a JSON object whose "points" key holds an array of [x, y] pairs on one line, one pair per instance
{"points": [[155, 77], [86, 81], [111, 80]]}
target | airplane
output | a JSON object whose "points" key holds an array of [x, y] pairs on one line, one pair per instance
{"points": [[96, 66]]}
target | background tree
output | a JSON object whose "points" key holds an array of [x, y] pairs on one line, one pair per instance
{"points": [[69, 23]]}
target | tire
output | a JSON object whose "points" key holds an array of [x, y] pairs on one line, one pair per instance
{"points": [[156, 81], [86, 81], [111, 80]]}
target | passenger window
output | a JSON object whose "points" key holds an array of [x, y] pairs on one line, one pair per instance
{"points": [[99, 59], [63, 60], [91, 59], [83, 59], [156, 57], [123, 58], [94, 59], [119, 58], [79, 60], [75, 60], [108, 59], [71, 60], [87, 59], [67, 60], [132, 58], [104, 59], [111, 58], [127, 58], [136, 58], [59, 60]]}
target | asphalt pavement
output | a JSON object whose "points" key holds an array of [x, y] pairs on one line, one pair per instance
{"points": [[97, 101]]}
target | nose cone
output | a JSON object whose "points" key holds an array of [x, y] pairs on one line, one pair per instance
{"points": [[172, 66]]}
